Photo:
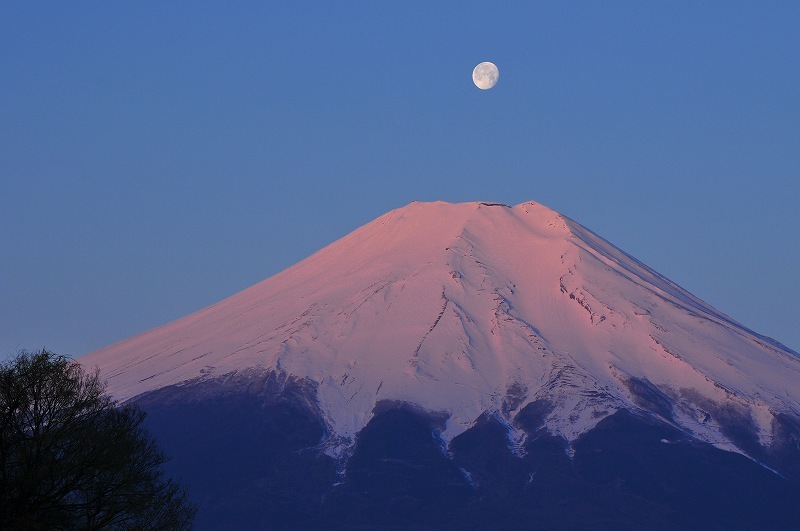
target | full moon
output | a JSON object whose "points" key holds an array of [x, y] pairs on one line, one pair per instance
{"points": [[485, 75]]}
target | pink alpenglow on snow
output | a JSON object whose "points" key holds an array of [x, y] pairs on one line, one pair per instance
{"points": [[471, 308]]}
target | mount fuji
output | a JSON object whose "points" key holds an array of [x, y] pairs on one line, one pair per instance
{"points": [[470, 365]]}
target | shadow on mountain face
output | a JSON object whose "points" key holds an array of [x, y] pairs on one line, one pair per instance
{"points": [[247, 452], [251, 455]]}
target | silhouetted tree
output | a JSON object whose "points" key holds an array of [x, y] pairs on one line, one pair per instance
{"points": [[71, 458]]}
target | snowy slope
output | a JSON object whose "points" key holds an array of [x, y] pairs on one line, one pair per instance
{"points": [[471, 308]]}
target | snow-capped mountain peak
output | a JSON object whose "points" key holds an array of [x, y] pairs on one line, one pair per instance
{"points": [[476, 308]]}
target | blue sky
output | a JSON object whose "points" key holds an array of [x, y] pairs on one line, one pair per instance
{"points": [[157, 157]]}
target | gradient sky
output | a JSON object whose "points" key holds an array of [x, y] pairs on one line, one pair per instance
{"points": [[156, 157]]}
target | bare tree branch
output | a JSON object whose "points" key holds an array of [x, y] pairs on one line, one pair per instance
{"points": [[71, 458]]}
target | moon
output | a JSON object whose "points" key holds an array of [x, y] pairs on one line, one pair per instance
{"points": [[485, 75]]}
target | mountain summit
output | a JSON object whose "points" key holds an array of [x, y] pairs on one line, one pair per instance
{"points": [[471, 308], [480, 311]]}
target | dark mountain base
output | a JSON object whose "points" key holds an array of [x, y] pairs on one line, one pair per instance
{"points": [[252, 461]]}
